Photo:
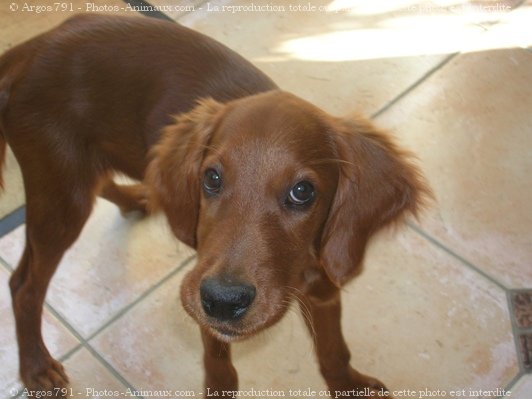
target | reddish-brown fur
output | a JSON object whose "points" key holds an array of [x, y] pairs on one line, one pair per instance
{"points": [[98, 94]]}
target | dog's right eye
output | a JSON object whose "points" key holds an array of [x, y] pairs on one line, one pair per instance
{"points": [[212, 181]]}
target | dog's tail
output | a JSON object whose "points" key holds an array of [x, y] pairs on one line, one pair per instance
{"points": [[5, 85], [4, 97], [3, 146]]}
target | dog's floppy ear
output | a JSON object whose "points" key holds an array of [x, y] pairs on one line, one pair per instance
{"points": [[172, 175], [377, 185]]}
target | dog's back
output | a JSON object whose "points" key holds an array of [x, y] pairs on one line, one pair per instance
{"points": [[147, 69]]}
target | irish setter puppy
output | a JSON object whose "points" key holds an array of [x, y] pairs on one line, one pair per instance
{"points": [[278, 198]]}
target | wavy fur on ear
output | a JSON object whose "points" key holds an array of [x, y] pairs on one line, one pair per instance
{"points": [[172, 175], [378, 186]]}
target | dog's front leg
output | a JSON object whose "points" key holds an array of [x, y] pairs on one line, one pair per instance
{"points": [[220, 374], [322, 310]]}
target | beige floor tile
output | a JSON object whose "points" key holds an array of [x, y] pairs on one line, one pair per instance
{"points": [[13, 195], [470, 126], [414, 309], [523, 388], [58, 339], [89, 378], [22, 20], [358, 58], [113, 262]]}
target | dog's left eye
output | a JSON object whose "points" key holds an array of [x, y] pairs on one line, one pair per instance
{"points": [[212, 181], [302, 193]]}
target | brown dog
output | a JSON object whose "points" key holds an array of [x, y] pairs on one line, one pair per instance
{"points": [[278, 198]]}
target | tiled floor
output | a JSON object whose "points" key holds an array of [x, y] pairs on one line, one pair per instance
{"points": [[443, 304]]}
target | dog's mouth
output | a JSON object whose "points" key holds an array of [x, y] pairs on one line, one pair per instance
{"points": [[239, 331], [227, 334], [223, 331]]}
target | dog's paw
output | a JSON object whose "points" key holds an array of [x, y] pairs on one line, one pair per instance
{"points": [[353, 384], [46, 377], [221, 379]]}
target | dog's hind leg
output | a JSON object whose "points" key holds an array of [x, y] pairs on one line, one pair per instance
{"points": [[129, 198]]}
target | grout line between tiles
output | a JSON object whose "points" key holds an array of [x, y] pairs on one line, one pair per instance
{"points": [[431, 71], [145, 294], [83, 343], [71, 352], [410, 88], [111, 369], [12, 220], [5, 265], [510, 305], [440, 245], [512, 384], [86, 345], [515, 332]]}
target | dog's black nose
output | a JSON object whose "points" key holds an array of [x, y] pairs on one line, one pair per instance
{"points": [[225, 300]]}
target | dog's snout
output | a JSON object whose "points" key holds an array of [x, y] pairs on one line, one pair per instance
{"points": [[225, 300]]}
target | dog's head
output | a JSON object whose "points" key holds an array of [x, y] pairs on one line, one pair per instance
{"points": [[275, 195]]}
